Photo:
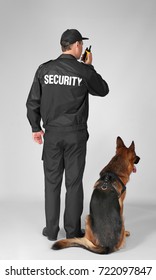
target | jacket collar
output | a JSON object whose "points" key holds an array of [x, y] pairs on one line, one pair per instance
{"points": [[69, 56]]}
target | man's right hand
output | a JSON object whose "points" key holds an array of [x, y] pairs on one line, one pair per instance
{"points": [[37, 136], [88, 58]]}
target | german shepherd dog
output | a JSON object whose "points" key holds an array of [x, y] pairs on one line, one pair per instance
{"points": [[105, 232]]}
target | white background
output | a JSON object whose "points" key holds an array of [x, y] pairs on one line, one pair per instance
{"points": [[122, 35]]}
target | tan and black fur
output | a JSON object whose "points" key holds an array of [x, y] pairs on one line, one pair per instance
{"points": [[105, 231]]}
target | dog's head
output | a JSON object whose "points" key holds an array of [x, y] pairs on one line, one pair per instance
{"points": [[128, 154]]}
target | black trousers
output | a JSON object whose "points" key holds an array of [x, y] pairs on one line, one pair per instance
{"points": [[64, 151]]}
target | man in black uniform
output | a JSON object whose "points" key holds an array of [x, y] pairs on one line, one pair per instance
{"points": [[59, 96]]}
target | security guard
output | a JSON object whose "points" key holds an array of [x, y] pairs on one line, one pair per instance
{"points": [[59, 96]]}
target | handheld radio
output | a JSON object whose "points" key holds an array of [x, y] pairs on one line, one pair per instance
{"points": [[84, 56]]}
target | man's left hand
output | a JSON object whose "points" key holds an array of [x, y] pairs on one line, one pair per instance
{"points": [[37, 136]]}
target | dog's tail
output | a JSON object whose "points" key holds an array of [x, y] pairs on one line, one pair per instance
{"points": [[81, 242]]}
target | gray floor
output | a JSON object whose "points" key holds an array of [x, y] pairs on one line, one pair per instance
{"points": [[22, 223]]}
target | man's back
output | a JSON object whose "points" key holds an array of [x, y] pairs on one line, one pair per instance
{"points": [[64, 84]]}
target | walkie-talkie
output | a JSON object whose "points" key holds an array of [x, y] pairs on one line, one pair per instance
{"points": [[84, 56]]}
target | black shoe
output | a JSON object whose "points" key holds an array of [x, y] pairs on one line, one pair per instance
{"points": [[80, 234], [44, 232]]}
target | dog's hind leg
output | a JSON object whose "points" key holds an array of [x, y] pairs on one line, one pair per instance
{"points": [[122, 239], [89, 233]]}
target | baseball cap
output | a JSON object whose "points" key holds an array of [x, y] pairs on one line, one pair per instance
{"points": [[70, 36]]}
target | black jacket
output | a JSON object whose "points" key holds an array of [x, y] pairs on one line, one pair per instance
{"points": [[59, 93]]}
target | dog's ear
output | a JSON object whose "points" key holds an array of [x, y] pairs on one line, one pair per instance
{"points": [[119, 143], [132, 146]]}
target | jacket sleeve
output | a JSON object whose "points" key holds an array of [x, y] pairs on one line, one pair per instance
{"points": [[96, 85], [33, 104]]}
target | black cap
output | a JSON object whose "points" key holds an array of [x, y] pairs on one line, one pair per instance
{"points": [[70, 36]]}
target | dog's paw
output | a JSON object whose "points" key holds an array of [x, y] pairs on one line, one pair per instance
{"points": [[127, 233]]}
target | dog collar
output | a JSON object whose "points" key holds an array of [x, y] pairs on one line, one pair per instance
{"points": [[108, 178]]}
